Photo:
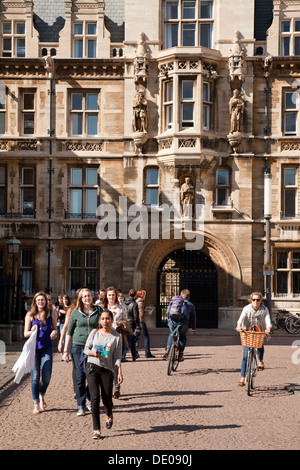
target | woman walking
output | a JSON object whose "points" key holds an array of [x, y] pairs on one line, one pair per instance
{"points": [[83, 319], [119, 312], [104, 351], [43, 319], [140, 300]]}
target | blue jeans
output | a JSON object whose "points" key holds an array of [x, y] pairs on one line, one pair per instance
{"points": [[182, 338], [260, 355], [41, 372], [81, 389]]}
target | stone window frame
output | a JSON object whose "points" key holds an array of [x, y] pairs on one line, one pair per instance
{"points": [[27, 212], [288, 273], [84, 187], [3, 189], [289, 36], [167, 105], [82, 267], [85, 112], [288, 187], [27, 268], [151, 186], [27, 111], [208, 105], [85, 37], [187, 124], [177, 23], [14, 36], [289, 111], [219, 186]]}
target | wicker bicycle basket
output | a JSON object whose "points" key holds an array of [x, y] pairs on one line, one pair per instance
{"points": [[252, 339]]}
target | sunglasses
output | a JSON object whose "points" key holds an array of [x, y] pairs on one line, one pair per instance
{"points": [[256, 300]]}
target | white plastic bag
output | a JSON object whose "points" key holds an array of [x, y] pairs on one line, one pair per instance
{"points": [[26, 360]]}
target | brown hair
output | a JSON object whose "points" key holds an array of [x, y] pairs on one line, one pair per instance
{"points": [[185, 293], [34, 309], [255, 293], [105, 299]]}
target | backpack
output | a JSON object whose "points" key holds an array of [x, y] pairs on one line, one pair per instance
{"points": [[177, 308]]}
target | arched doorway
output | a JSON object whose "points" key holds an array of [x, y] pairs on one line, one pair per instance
{"points": [[193, 270]]}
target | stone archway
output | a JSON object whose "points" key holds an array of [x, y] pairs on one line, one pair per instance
{"points": [[221, 254]]}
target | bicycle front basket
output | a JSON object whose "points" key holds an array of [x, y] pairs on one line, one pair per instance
{"points": [[252, 339]]}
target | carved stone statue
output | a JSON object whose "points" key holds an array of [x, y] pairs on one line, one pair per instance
{"points": [[236, 60], [140, 106], [187, 197], [236, 110]]}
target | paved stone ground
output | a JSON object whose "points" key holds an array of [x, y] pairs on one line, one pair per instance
{"points": [[198, 407]]}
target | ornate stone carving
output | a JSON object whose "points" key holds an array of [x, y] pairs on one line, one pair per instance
{"points": [[236, 110], [140, 109], [140, 63], [236, 60], [187, 198]]}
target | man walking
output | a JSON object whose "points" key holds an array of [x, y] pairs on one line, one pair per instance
{"points": [[180, 310]]}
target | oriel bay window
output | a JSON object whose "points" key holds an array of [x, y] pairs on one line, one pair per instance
{"points": [[168, 105], [187, 103], [83, 192], [83, 269], [288, 273], [85, 113]]}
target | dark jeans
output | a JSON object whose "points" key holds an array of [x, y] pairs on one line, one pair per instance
{"points": [[81, 389], [41, 372], [131, 343], [146, 338], [99, 380], [182, 338]]}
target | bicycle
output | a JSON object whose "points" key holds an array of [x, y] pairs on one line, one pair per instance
{"points": [[174, 351], [252, 340], [280, 319], [292, 324]]}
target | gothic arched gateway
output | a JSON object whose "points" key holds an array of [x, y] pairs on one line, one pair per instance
{"points": [[193, 270]]}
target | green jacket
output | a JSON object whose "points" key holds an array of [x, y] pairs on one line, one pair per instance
{"points": [[81, 325]]}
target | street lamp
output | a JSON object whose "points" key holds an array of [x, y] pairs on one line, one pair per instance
{"points": [[13, 248], [267, 216]]}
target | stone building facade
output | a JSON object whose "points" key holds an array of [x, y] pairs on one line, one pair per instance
{"points": [[135, 140]]}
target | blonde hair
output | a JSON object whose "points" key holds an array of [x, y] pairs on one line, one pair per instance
{"points": [[79, 304], [255, 293]]}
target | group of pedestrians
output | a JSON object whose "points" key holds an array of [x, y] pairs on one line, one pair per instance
{"points": [[101, 331], [95, 333]]}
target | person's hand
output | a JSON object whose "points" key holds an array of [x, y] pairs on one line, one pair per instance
{"points": [[268, 331], [66, 356], [191, 330], [53, 335], [94, 352], [120, 378], [239, 328]]}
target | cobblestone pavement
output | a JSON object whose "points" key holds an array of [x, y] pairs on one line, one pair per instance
{"points": [[198, 407]]}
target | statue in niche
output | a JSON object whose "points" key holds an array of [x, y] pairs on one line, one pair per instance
{"points": [[140, 106], [187, 197], [236, 110], [140, 63]]}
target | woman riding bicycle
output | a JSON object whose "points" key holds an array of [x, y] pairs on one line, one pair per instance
{"points": [[257, 315]]}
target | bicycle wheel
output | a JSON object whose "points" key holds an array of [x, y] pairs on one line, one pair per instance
{"points": [[176, 357], [249, 372], [171, 358], [291, 325]]}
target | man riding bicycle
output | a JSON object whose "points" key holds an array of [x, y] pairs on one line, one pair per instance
{"points": [[180, 310]]}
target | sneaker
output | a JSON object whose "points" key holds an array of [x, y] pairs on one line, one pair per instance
{"points": [[181, 359], [109, 421], [80, 412], [88, 404], [166, 355], [117, 394], [96, 435]]}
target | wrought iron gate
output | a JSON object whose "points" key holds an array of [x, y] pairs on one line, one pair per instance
{"points": [[193, 270]]}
